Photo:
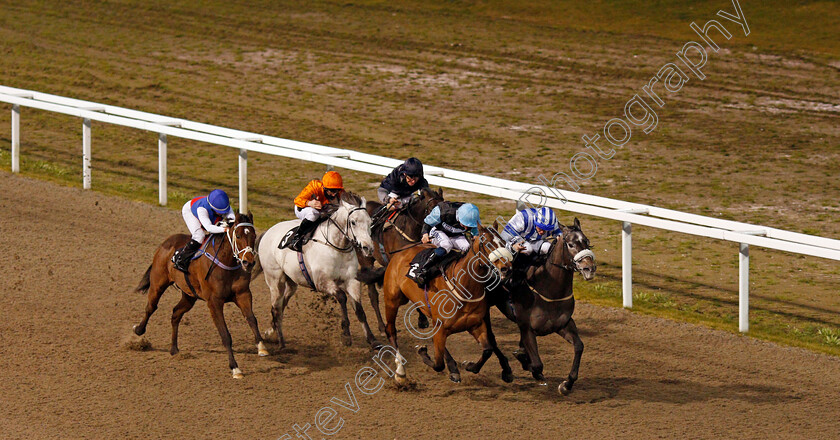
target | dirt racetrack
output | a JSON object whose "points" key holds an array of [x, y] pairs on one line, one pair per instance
{"points": [[71, 259]]}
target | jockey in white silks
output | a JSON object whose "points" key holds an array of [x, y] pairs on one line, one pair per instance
{"points": [[528, 229], [201, 215], [445, 227]]}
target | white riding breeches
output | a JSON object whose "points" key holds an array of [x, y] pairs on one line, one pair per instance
{"points": [[308, 213], [441, 240], [193, 224]]}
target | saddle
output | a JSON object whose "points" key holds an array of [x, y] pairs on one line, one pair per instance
{"points": [[305, 239], [434, 271]]}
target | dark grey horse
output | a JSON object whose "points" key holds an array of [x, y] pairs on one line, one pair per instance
{"points": [[542, 301]]}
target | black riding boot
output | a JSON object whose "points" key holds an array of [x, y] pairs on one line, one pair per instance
{"points": [[182, 262], [424, 268], [296, 242]]}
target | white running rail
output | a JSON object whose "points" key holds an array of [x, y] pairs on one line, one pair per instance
{"points": [[628, 213]]}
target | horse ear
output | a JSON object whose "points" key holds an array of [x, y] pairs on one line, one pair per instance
{"points": [[577, 223], [362, 202], [440, 192], [250, 216], [496, 225]]}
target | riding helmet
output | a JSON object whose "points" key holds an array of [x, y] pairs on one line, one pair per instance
{"points": [[544, 219], [413, 167], [468, 215], [219, 201], [332, 180]]}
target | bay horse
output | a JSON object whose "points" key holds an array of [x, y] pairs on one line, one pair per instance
{"points": [[401, 230], [330, 261], [218, 275], [452, 308], [543, 301]]}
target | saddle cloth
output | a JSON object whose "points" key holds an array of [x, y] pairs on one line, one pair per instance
{"points": [[434, 271]]}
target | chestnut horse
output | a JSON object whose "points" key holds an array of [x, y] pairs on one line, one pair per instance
{"points": [[452, 308], [401, 231], [543, 301], [218, 275]]}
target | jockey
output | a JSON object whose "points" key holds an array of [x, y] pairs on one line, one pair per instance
{"points": [[309, 202], [445, 227], [527, 230], [396, 188], [201, 215]]}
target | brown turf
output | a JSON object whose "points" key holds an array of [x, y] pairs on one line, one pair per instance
{"points": [[70, 259]]}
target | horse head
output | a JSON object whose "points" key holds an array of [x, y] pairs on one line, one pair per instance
{"points": [[491, 245], [422, 202], [242, 235], [356, 221], [575, 253]]}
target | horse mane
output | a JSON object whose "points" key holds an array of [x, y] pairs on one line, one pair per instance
{"points": [[351, 198]]}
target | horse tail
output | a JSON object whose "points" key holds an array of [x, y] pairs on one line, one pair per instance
{"points": [[145, 282], [368, 275], [257, 269]]}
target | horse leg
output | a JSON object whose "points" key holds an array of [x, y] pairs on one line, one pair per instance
{"points": [[158, 285], [438, 364], [280, 293], [480, 334], [454, 373], [244, 301], [346, 339], [374, 302], [392, 306], [422, 320], [507, 373], [354, 291], [529, 338], [570, 333], [184, 305], [217, 312], [520, 354]]}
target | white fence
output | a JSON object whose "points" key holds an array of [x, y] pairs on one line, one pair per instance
{"points": [[628, 213]]}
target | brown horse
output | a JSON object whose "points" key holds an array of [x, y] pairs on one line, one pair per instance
{"points": [[399, 232], [455, 302], [543, 301], [227, 279]]}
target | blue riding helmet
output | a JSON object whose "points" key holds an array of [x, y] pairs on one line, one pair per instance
{"points": [[545, 219], [219, 201], [468, 215]]}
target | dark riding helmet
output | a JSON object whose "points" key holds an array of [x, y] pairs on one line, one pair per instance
{"points": [[413, 167]]}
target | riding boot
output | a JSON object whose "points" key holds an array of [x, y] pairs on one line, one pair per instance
{"points": [[422, 271], [182, 262], [296, 242]]}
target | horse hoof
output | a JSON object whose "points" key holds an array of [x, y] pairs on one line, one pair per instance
{"points": [[542, 383], [507, 376], [173, 351], [261, 350], [376, 345], [565, 388], [138, 331], [421, 349], [237, 373], [423, 322], [469, 366], [455, 378], [400, 379]]}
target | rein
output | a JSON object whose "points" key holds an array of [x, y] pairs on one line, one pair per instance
{"points": [[350, 241], [570, 267]]}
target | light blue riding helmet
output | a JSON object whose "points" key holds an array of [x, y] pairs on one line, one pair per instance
{"points": [[545, 219], [468, 215], [219, 201]]}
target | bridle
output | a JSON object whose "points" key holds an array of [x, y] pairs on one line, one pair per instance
{"points": [[351, 241], [239, 254], [574, 261]]}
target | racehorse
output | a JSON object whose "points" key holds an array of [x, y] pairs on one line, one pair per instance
{"points": [[400, 231], [453, 309], [329, 260], [221, 276], [543, 301]]}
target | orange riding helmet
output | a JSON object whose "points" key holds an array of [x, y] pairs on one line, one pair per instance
{"points": [[332, 180]]}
